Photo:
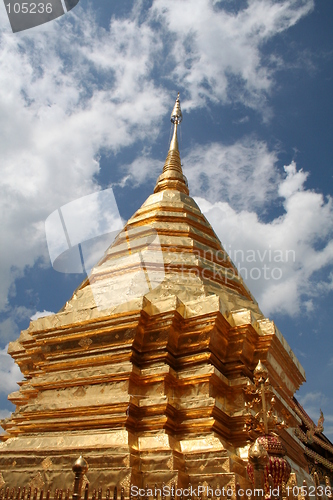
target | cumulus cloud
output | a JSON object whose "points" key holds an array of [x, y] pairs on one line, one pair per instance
{"points": [[9, 329], [217, 52], [62, 99], [312, 403], [10, 373], [312, 397], [140, 170], [279, 259], [41, 314], [244, 174]]}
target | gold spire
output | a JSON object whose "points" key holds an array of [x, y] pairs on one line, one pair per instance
{"points": [[172, 176], [176, 115]]}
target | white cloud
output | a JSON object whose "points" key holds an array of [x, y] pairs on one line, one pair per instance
{"points": [[9, 373], [217, 53], [243, 174], [311, 398], [9, 325], [40, 314], [143, 168], [293, 182], [56, 116], [313, 402], [279, 259]]}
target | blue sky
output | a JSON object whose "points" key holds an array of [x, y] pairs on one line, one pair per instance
{"points": [[85, 103]]}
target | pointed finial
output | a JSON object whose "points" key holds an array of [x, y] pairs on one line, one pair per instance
{"points": [[260, 371], [175, 118], [80, 465], [172, 176], [176, 115]]}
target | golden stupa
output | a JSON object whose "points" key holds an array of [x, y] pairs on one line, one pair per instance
{"points": [[147, 369]]}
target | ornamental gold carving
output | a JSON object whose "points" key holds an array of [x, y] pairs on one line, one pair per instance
{"points": [[47, 463], [37, 482], [85, 342]]}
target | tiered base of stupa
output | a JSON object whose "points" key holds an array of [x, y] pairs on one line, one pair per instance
{"points": [[149, 392], [197, 461]]}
